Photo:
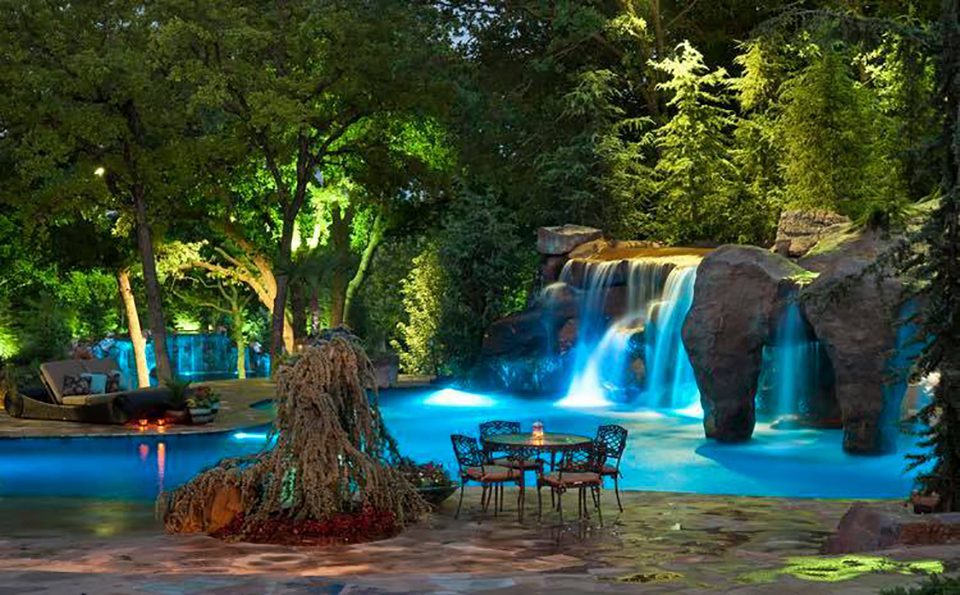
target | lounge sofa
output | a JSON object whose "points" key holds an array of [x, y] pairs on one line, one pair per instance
{"points": [[116, 407]]}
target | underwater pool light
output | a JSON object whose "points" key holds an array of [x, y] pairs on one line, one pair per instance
{"points": [[249, 436], [452, 397]]}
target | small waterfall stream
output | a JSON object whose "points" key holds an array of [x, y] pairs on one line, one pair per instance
{"points": [[793, 373], [670, 381]]}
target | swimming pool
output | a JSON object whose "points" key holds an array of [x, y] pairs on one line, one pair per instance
{"points": [[666, 451]]}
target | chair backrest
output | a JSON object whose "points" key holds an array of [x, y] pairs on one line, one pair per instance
{"points": [[100, 366], [53, 373], [467, 451], [586, 458], [614, 440], [499, 428]]}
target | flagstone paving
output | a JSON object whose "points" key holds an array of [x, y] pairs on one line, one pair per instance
{"points": [[662, 543]]}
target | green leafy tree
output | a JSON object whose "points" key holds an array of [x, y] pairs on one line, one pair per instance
{"points": [[91, 122], [481, 249], [418, 343], [303, 87], [697, 179]]}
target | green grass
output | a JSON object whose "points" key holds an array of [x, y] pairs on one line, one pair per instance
{"points": [[833, 569]]}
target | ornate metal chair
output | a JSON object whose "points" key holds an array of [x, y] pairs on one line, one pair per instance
{"points": [[474, 467], [504, 459], [580, 469], [614, 440]]}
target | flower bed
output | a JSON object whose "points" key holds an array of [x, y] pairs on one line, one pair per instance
{"points": [[368, 524]]}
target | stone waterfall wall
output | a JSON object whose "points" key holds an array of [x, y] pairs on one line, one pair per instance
{"points": [[852, 310], [737, 299]]}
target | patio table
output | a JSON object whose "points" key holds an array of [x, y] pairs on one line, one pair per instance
{"points": [[549, 442]]}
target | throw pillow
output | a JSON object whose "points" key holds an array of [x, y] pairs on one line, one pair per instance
{"points": [[75, 385], [98, 383], [115, 382]]}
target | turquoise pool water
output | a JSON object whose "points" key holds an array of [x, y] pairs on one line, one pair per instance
{"points": [[666, 451]]}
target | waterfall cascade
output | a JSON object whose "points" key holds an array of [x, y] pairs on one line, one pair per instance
{"points": [[628, 343], [192, 356], [796, 379]]}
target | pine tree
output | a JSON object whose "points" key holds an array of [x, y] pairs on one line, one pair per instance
{"points": [[697, 178], [826, 132], [933, 258]]}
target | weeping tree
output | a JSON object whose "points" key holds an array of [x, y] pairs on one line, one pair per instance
{"points": [[332, 455]]}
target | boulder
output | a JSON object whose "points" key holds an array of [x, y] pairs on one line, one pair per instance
{"points": [[853, 311], [737, 297], [220, 508], [873, 527], [517, 334], [557, 241], [799, 231], [567, 336], [550, 269]]}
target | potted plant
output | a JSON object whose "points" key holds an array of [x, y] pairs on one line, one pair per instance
{"points": [[177, 404], [200, 409], [430, 479], [207, 394]]}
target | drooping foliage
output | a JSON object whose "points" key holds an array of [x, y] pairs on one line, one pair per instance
{"points": [[332, 454]]}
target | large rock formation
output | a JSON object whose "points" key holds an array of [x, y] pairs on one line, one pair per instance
{"points": [[799, 231], [555, 244], [853, 309], [873, 527], [738, 295], [557, 241]]}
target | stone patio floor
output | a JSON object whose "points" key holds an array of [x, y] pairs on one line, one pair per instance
{"points": [[662, 543]]}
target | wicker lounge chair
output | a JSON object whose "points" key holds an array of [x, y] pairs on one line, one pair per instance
{"points": [[104, 408]]}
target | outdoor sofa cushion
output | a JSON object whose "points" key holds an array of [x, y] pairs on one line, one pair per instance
{"points": [[54, 373], [88, 399]]}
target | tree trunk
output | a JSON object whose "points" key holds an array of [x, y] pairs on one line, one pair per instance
{"points": [[340, 240], [133, 327], [316, 316], [280, 326], [154, 296], [376, 237], [241, 358], [298, 305]]}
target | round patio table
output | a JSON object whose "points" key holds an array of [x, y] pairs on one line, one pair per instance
{"points": [[551, 442]]}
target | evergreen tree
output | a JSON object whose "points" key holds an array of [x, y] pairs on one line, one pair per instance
{"points": [[932, 259], [697, 178], [826, 133]]}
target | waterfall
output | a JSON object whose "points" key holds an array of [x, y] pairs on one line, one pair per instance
{"points": [[193, 357], [670, 383], [792, 367], [648, 315]]}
